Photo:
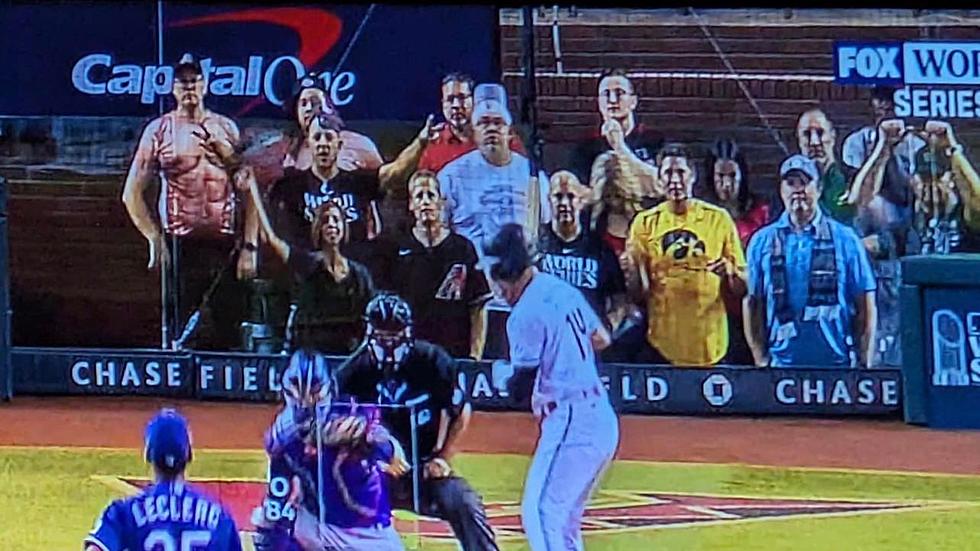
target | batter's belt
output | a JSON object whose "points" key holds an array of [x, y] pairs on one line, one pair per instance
{"points": [[577, 396]]}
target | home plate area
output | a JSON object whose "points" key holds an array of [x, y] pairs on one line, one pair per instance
{"points": [[609, 512]]}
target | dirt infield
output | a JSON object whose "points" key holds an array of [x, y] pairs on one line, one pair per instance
{"points": [[852, 444]]}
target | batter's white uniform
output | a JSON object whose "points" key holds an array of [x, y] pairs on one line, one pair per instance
{"points": [[550, 328]]}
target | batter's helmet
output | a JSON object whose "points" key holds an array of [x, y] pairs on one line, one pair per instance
{"points": [[168, 441], [509, 254], [389, 329], [307, 380]]}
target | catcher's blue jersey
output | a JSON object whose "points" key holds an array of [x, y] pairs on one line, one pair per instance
{"points": [[349, 485], [165, 517]]}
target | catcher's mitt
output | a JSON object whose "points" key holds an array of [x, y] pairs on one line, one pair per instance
{"points": [[345, 431]]}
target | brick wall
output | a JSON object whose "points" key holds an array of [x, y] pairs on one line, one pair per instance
{"points": [[77, 264], [695, 109]]}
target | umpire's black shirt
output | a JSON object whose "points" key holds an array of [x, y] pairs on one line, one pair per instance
{"points": [[427, 378]]}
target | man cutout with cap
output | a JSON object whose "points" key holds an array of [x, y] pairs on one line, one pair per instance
{"points": [[169, 514], [455, 135], [195, 153], [811, 289]]}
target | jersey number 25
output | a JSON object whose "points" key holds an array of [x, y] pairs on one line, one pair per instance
{"points": [[576, 323], [192, 540]]}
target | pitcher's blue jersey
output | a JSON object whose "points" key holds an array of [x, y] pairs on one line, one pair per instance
{"points": [[165, 517]]}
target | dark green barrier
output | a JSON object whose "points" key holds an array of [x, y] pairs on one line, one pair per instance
{"points": [[941, 340]]}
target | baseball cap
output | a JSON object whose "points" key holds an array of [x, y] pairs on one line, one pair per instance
{"points": [[800, 163], [188, 62], [305, 82], [168, 440], [490, 98]]}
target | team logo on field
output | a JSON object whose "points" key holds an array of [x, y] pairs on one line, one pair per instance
{"points": [[608, 512]]}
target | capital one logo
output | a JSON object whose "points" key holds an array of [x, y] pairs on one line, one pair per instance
{"points": [[868, 63], [317, 32]]}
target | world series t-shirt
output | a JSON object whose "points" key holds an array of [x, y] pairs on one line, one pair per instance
{"points": [[297, 196], [586, 263], [441, 284]]}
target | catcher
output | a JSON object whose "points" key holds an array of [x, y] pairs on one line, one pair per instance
{"points": [[326, 458]]}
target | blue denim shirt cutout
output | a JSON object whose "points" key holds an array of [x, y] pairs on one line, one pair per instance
{"points": [[818, 342]]}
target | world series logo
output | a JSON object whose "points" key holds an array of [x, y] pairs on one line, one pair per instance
{"points": [[934, 79], [955, 348]]}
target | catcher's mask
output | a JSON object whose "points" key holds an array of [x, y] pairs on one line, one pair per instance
{"points": [[307, 381], [389, 330]]}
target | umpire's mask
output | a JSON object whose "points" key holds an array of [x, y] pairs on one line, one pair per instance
{"points": [[389, 330]]}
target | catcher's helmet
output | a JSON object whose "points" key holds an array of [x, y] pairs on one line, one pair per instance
{"points": [[389, 329], [307, 380], [168, 441]]}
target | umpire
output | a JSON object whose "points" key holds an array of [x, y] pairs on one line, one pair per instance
{"points": [[392, 367]]}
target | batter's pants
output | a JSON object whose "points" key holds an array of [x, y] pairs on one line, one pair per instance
{"points": [[453, 500], [577, 443]]}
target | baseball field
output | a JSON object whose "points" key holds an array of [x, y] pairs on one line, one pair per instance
{"points": [[678, 483]]}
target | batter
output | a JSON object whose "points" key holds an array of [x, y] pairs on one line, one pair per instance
{"points": [[554, 332]]}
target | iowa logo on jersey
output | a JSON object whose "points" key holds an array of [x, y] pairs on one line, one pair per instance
{"points": [[682, 243], [453, 283]]}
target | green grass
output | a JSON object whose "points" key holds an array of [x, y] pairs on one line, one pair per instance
{"points": [[49, 501]]}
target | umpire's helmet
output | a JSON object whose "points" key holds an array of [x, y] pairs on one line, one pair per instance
{"points": [[307, 381], [389, 329], [168, 442]]}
